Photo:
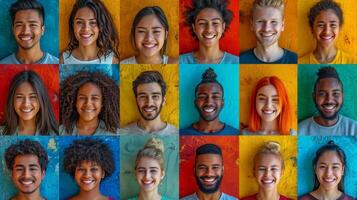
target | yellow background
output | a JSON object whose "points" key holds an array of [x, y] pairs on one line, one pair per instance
{"points": [[288, 36], [249, 76], [128, 108], [249, 145], [347, 39], [65, 10], [128, 10]]}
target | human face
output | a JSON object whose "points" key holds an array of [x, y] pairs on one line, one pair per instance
{"points": [[148, 174], [149, 100], [88, 175], [209, 172], [28, 28], [326, 28], [328, 98], [209, 27], [85, 27], [209, 101], [27, 174], [26, 103], [267, 103], [329, 170], [150, 36], [267, 24], [89, 102], [268, 171]]}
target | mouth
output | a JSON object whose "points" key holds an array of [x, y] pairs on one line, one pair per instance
{"points": [[89, 110], [26, 182], [86, 36], [25, 38], [329, 180], [268, 112], [266, 35], [329, 108], [87, 181], [149, 109], [147, 182], [209, 109], [268, 181], [327, 38], [26, 110], [208, 180], [149, 45]]}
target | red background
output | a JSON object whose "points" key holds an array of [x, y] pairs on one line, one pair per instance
{"points": [[229, 42], [229, 146], [48, 73]]}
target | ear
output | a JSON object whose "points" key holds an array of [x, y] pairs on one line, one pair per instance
{"points": [[193, 27], [103, 173], [164, 101], [166, 34], [224, 26], [162, 175], [43, 174], [43, 30], [283, 25]]}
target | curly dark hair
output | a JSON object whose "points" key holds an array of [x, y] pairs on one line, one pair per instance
{"points": [[108, 40], [327, 72], [110, 93], [88, 149], [26, 147], [150, 77], [324, 5], [198, 5]]}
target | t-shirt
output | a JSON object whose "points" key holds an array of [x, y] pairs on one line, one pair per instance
{"points": [[46, 59], [162, 198], [134, 129], [254, 197], [341, 58], [99, 131], [310, 197], [132, 60], [37, 133], [248, 57], [226, 130], [223, 197], [70, 59], [227, 59], [344, 127], [247, 132]]}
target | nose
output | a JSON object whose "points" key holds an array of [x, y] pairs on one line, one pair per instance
{"points": [[328, 171], [209, 27], [269, 103], [147, 175], [27, 173], [266, 26], [148, 36]]}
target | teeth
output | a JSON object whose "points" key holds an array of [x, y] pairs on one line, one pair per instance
{"points": [[147, 182], [329, 180], [88, 110], [25, 38], [326, 37], [27, 182], [26, 110], [268, 112], [149, 109], [329, 107], [87, 181], [209, 36], [268, 181], [209, 109], [149, 45], [209, 179], [86, 36], [266, 34]]}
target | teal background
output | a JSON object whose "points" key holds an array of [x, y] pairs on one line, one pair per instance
{"points": [[307, 147], [49, 41], [49, 185], [108, 187], [190, 76], [307, 77], [129, 147]]}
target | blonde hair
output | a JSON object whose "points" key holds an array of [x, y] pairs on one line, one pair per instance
{"points": [[278, 4], [154, 148], [270, 147]]}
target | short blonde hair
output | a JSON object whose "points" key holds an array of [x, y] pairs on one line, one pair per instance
{"points": [[154, 148], [279, 4], [270, 147]]}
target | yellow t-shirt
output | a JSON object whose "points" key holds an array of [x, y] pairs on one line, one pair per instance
{"points": [[340, 58]]}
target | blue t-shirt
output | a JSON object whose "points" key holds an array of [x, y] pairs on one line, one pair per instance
{"points": [[248, 57], [223, 197], [46, 59], [227, 130], [227, 59]]}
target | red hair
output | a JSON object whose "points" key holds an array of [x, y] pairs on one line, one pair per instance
{"points": [[285, 116]]}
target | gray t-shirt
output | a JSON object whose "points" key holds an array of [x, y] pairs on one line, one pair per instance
{"points": [[46, 59], [344, 127], [223, 197], [134, 129], [99, 131]]}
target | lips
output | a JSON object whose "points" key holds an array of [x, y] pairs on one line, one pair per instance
{"points": [[268, 112], [88, 110], [209, 109], [25, 37], [268, 181], [209, 36], [26, 110], [88, 181], [327, 37], [26, 182], [208, 180], [329, 108], [329, 180], [149, 109], [149, 45]]}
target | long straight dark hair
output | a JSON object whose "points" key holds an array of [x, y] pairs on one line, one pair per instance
{"points": [[45, 118]]}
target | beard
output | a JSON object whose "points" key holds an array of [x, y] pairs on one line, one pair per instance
{"points": [[210, 190], [325, 117], [150, 117]]}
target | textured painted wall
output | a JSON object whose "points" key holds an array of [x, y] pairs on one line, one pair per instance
{"points": [[49, 41], [110, 70], [128, 10], [65, 8], [249, 76], [190, 76], [188, 146], [248, 147], [129, 111], [308, 146], [108, 187], [230, 41], [129, 147], [49, 185], [347, 39], [307, 78], [48, 74], [288, 36]]}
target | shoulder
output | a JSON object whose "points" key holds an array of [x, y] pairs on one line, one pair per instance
{"points": [[251, 197], [50, 59], [228, 129], [289, 57], [248, 57], [133, 198], [187, 58], [170, 129], [130, 60], [230, 59], [10, 59], [190, 197], [282, 197], [304, 125], [306, 197], [227, 197], [346, 197]]}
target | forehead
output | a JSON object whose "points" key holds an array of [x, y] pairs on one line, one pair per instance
{"points": [[208, 14], [328, 84], [267, 159], [209, 159], [149, 21], [329, 157], [267, 12], [149, 88], [147, 162], [27, 159], [85, 13], [327, 16], [25, 87], [267, 90], [89, 163], [209, 88], [89, 87], [27, 15]]}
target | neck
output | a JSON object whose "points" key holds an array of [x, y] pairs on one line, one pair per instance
{"points": [[27, 127], [208, 126], [151, 125], [210, 54], [29, 56], [271, 194], [325, 122], [93, 194], [150, 195], [325, 54], [212, 196], [326, 194], [33, 196], [155, 59], [269, 127], [87, 127], [269, 53], [86, 52]]}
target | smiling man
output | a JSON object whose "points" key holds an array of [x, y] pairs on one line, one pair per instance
{"points": [[209, 173], [150, 90], [28, 27], [209, 103], [328, 97], [267, 23], [27, 161]]}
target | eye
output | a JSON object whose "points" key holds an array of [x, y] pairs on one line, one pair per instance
{"points": [[275, 100], [261, 169], [93, 23], [322, 94], [336, 94], [155, 97], [33, 168], [33, 96], [274, 169], [153, 171], [94, 169], [217, 97], [262, 99]]}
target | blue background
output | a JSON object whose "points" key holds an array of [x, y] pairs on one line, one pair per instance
{"points": [[49, 41], [49, 185], [308, 145], [108, 187], [190, 76]]}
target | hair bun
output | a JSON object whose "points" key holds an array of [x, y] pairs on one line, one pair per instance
{"points": [[155, 143], [209, 75], [271, 146], [331, 142]]}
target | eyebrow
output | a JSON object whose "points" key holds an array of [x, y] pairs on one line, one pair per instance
{"points": [[213, 19], [91, 19], [323, 22], [155, 27], [261, 94]]}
